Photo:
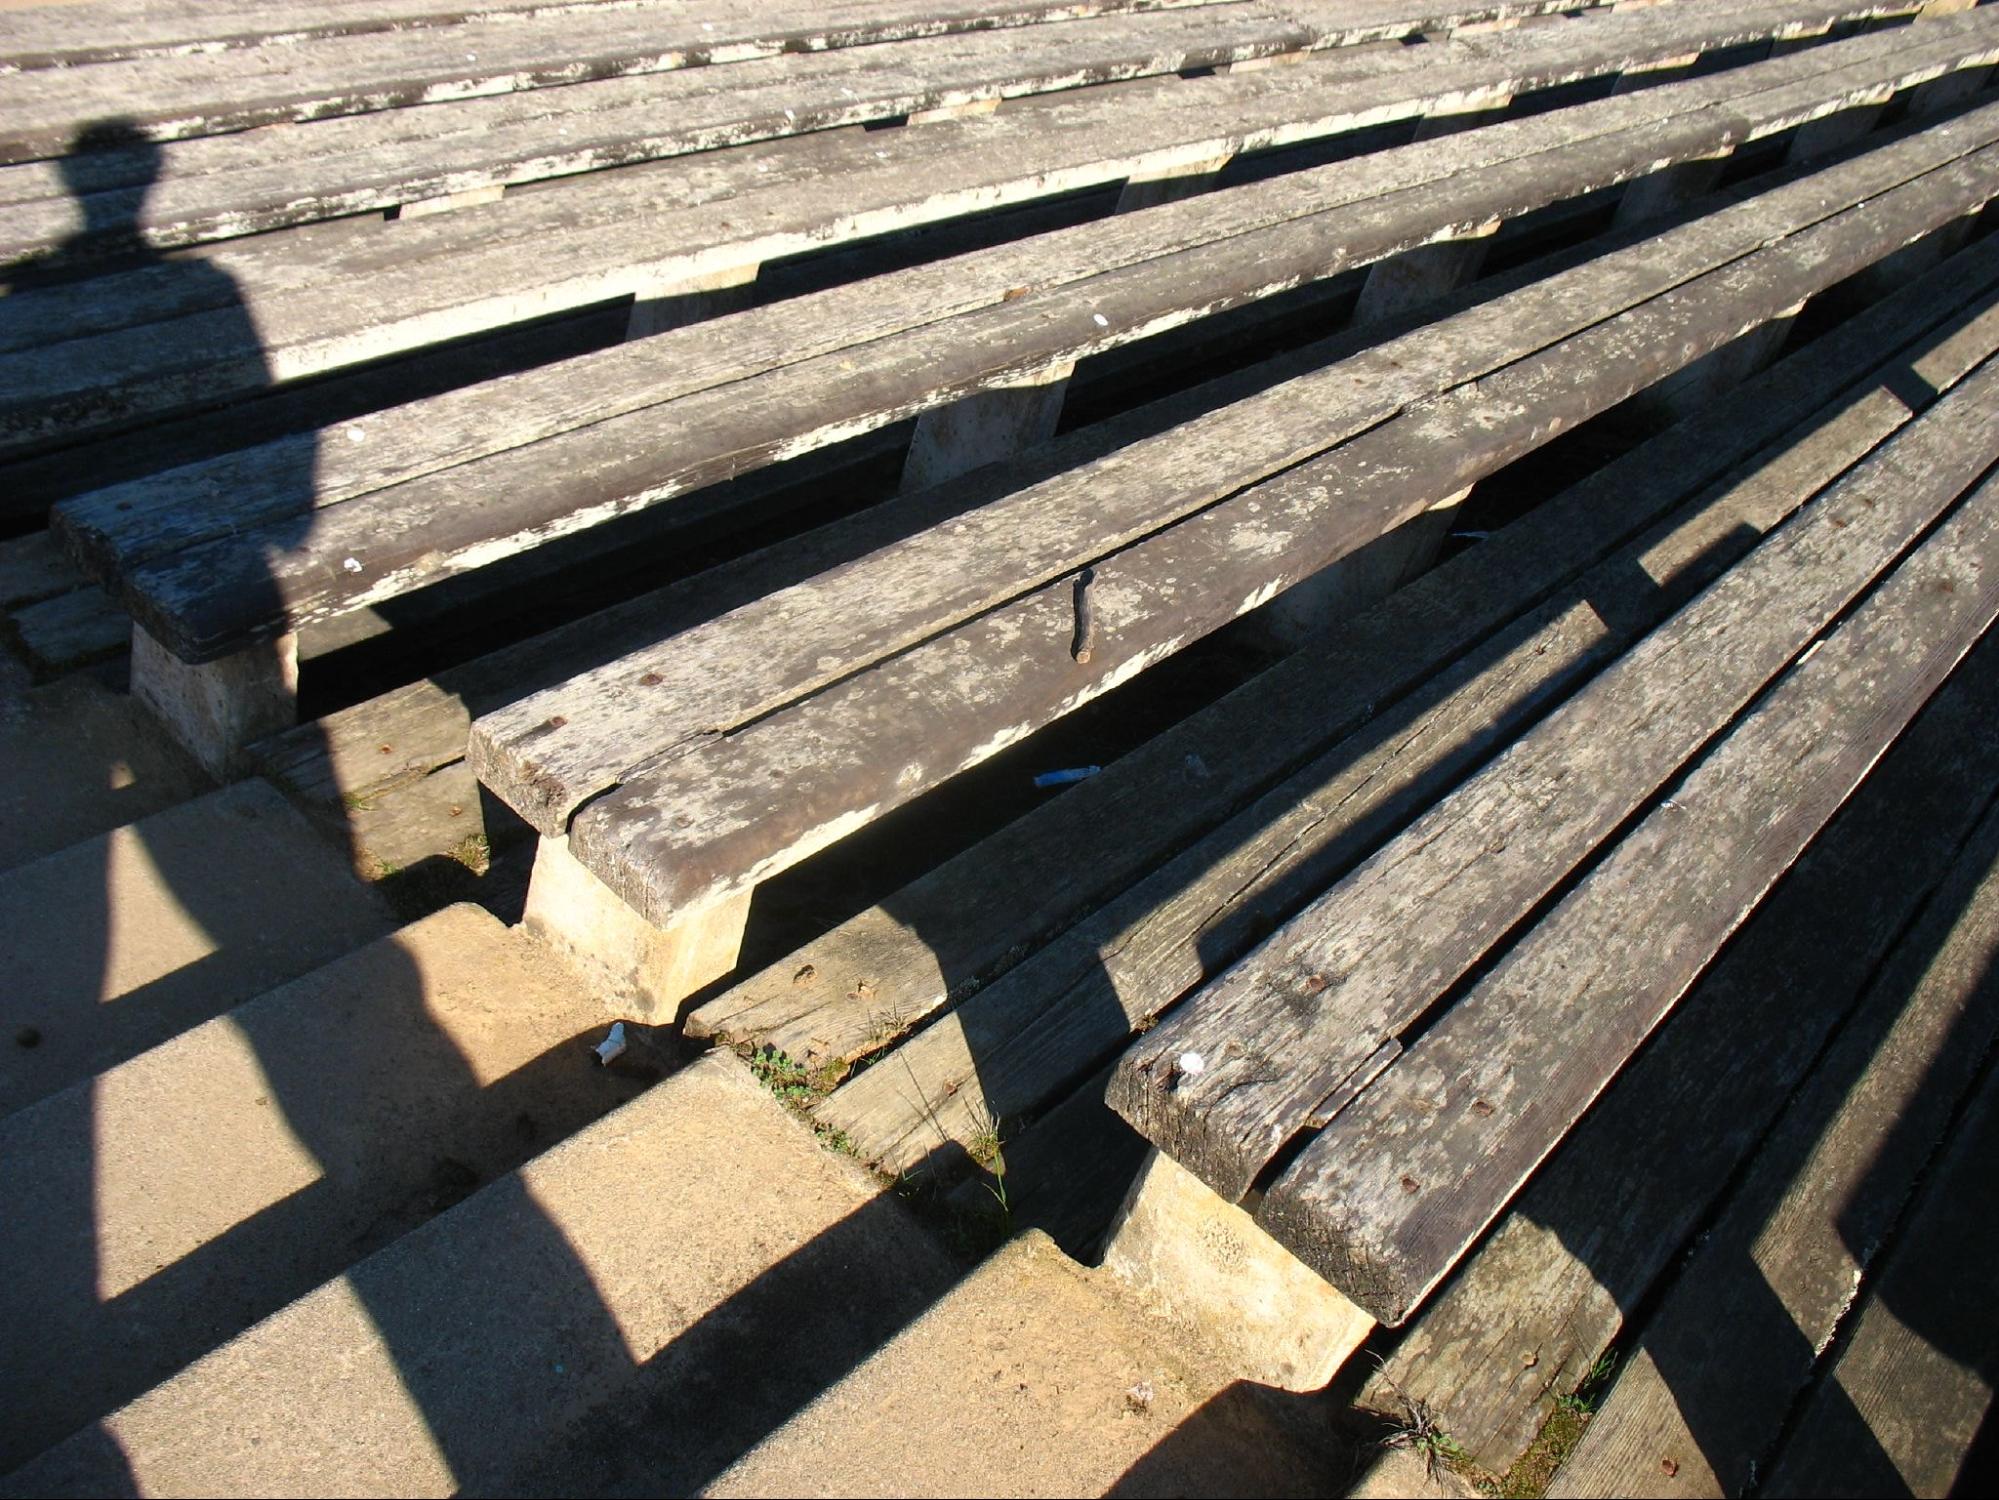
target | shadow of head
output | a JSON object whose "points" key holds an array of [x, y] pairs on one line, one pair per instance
{"points": [[111, 166]]}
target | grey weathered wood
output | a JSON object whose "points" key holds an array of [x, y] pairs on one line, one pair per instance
{"points": [[954, 930], [72, 629], [1530, 1314], [695, 828], [1008, 1047], [1282, 1031], [112, 31], [1907, 1395], [1387, 1198], [176, 97], [229, 185], [1714, 1373], [133, 522], [32, 567], [614, 721], [454, 274]]}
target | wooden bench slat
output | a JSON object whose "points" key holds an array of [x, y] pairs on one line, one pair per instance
{"points": [[1903, 1404], [223, 186], [139, 28], [1470, 1109], [1715, 1370], [952, 931], [173, 97], [698, 827], [1283, 1032], [1670, 1136], [1015, 1043], [556, 767], [134, 522], [454, 274], [390, 541]]}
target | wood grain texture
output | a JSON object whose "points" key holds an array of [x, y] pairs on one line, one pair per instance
{"points": [[1013, 1045], [1907, 1394], [118, 30], [1472, 1107], [221, 186], [545, 760], [1533, 1310], [1547, 156], [1283, 1030], [338, 298], [957, 928], [1715, 1371]]}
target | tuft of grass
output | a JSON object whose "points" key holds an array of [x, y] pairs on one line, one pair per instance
{"points": [[786, 1079], [1568, 1418]]}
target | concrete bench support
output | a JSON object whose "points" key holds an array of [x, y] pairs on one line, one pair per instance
{"points": [[1647, 75], [1422, 275], [1171, 184], [1203, 1262], [1669, 190], [218, 707], [637, 969], [446, 203], [692, 301], [985, 428], [971, 109], [1713, 375], [1356, 581]]}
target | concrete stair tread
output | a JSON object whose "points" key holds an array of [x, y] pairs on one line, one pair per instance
{"points": [[78, 760], [166, 1204], [1038, 1376], [696, 1231], [112, 945]]}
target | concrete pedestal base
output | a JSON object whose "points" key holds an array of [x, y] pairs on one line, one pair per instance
{"points": [[1203, 1262], [692, 301], [215, 709], [636, 969], [985, 428]]}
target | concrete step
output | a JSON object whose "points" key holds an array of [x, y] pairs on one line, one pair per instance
{"points": [[78, 759], [162, 1207], [693, 1261], [1039, 1376], [114, 944]]}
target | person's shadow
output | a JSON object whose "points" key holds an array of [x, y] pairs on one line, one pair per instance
{"points": [[92, 1329]]}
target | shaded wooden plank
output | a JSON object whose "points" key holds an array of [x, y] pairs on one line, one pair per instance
{"points": [[1714, 1373], [545, 768], [1912, 1388], [1530, 1314], [1472, 1107], [697, 827], [222, 186], [1010, 1046], [953, 930], [355, 298], [1283, 1031]]}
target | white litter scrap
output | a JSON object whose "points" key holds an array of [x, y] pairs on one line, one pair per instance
{"points": [[613, 1046]]}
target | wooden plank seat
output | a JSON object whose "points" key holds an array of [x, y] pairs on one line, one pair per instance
{"points": [[1192, 848], [89, 357], [682, 775], [308, 78], [214, 557], [1394, 1082]]}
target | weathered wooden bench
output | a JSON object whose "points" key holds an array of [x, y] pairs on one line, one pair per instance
{"points": [[680, 776], [215, 556], [1382, 1075], [1170, 865], [147, 342]]}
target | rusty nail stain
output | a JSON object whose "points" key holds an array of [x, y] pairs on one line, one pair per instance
{"points": [[1669, 1467], [386, 750], [806, 975], [456, 811], [651, 679], [556, 721], [1312, 983], [1410, 1185], [1013, 294], [1481, 1108]]}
